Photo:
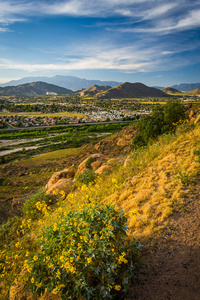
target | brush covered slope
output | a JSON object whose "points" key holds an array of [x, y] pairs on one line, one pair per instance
{"points": [[131, 90], [195, 92], [170, 91], [93, 90], [151, 185]]}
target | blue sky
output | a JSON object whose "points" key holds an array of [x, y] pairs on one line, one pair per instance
{"points": [[153, 42]]}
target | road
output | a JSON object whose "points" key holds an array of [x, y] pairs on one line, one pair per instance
{"points": [[10, 127]]}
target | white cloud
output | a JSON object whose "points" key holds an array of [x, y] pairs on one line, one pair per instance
{"points": [[190, 21], [4, 29], [131, 59]]}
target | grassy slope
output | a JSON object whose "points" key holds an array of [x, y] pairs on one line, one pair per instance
{"points": [[150, 186]]}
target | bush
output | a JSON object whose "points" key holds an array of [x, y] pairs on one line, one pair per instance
{"points": [[89, 162], [37, 205], [163, 119], [86, 255], [86, 177]]}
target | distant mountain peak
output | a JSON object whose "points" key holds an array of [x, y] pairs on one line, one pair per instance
{"points": [[69, 82], [34, 88], [131, 90]]}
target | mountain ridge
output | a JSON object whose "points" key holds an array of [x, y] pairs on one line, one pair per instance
{"points": [[69, 82], [186, 87], [34, 88], [131, 90]]}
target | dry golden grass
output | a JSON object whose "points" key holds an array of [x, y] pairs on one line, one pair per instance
{"points": [[149, 188], [149, 197]]}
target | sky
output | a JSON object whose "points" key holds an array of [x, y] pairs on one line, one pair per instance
{"points": [[156, 42]]}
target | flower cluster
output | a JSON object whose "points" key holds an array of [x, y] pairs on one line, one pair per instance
{"points": [[87, 254]]}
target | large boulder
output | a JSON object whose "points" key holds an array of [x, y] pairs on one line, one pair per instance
{"points": [[103, 169], [91, 163], [66, 174], [62, 187]]}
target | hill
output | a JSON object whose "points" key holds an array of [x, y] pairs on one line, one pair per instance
{"points": [[186, 87], [156, 186], [169, 90], [93, 90], [34, 88], [68, 82], [131, 90], [195, 92]]}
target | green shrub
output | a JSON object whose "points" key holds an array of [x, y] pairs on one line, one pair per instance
{"points": [[86, 255], [37, 205], [162, 120], [86, 177], [185, 178], [89, 162]]}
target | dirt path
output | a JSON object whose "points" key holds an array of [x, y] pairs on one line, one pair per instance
{"points": [[172, 269]]}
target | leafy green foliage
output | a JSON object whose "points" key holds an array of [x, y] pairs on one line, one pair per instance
{"points": [[89, 162], [163, 119], [86, 177], [37, 205], [85, 255], [185, 178]]}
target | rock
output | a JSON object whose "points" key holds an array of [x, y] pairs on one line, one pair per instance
{"points": [[96, 164], [63, 185], [87, 163], [66, 173], [103, 169]]}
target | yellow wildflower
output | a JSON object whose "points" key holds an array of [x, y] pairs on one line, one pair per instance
{"points": [[117, 287]]}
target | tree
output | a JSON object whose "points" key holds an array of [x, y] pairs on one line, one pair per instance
{"points": [[163, 119]]}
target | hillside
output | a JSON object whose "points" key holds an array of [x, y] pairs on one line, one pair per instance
{"points": [[169, 90], [195, 92], [34, 88], [94, 89], [131, 90], [158, 188], [69, 82]]}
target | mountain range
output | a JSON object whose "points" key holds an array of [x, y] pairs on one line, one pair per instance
{"points": [[186, 87], [68, 82], [124, 90]]}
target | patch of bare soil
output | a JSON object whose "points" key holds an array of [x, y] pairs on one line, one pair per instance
{"points": [[171, 270]]}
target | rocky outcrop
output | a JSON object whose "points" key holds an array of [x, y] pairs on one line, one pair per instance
{"points": [[62, 186], [119, 143], [91, 163], [66, 173], [62, 183], [103, 169]]}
